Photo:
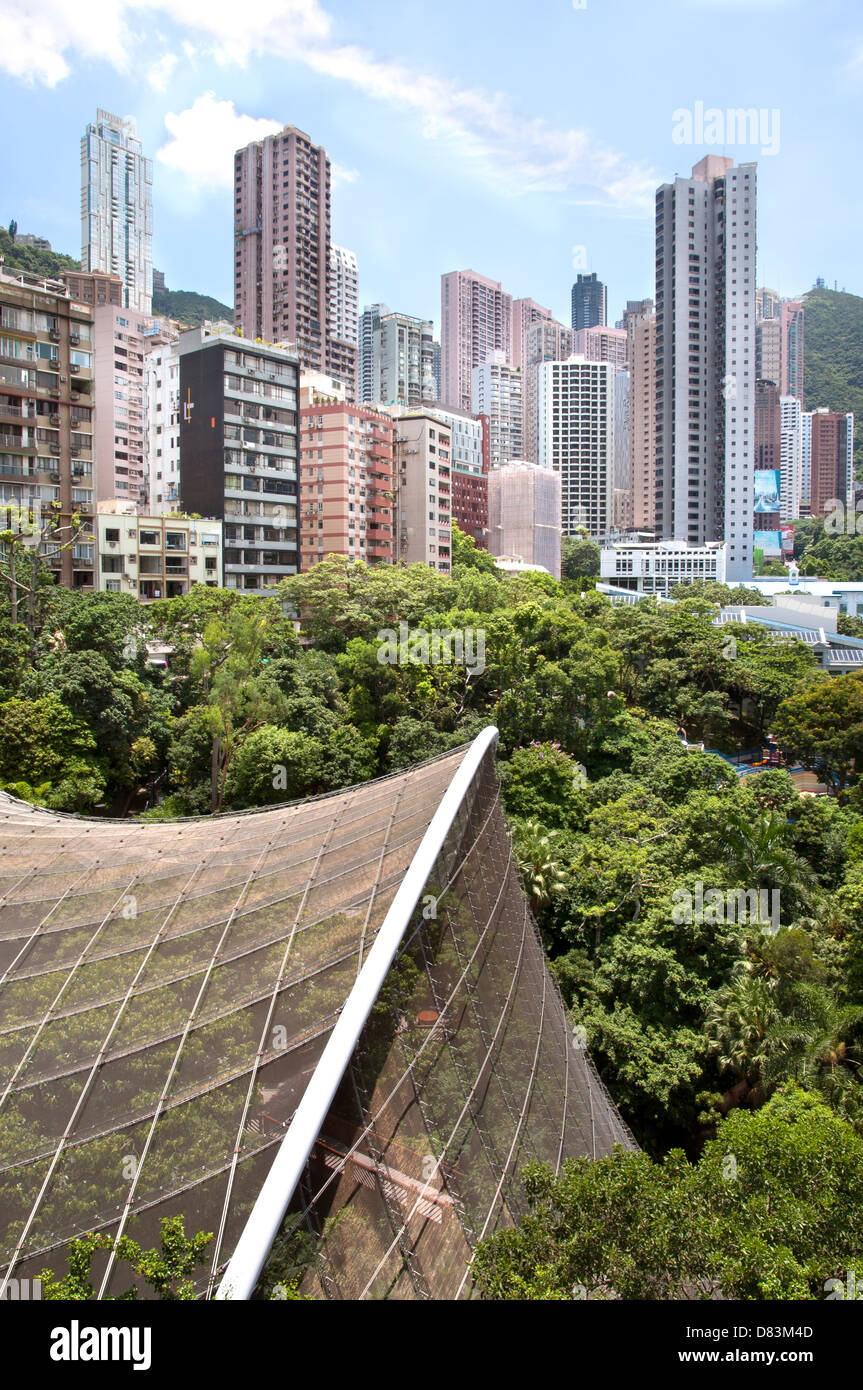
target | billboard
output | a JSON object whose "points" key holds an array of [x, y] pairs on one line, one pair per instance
{"points": [[769, 543], [787, 533], [767, 490]]}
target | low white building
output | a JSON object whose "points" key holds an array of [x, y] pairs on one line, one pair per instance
{"points": [[655, 567], [155, 556]]}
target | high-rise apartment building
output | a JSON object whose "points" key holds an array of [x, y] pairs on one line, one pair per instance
{"points": [[469, 457], [524, 514], [601, 344], [705, 358], [403, 360], [831, 461], [546, 341], [496, 394], [476, 320], [636, 309], [282, 285], [122, 340], [589, 302], [790, 457], [575, 407], [780, 342], [642, 412], [370, 319], [423, 490], [623, 508], [344, 316], [239, 449], [525, 312], [117, 208], [162, 427], [46, 418], [346, 484]]}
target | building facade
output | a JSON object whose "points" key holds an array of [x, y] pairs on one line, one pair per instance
{"points": [[790, 457], [46, 421], [546, 341], [831, 461], [346, 484], [403, 361], [470, 459], [117, 208], [524, 514], [623, 505], [496, 394], [423, 490], [239, 450], [601, 344], [642, 417], [705, 358], [96, 288], [162, 427], [122, 340], [657, 567], [525, 312], [576, 437], [344, 317], [476, 320], [589, 303], [156, 557], [282, 285]]}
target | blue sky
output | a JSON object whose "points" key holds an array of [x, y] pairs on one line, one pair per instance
{"points": [[497, 136]]}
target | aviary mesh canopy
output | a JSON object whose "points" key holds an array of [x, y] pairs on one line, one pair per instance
{"points": [[166, 991]]}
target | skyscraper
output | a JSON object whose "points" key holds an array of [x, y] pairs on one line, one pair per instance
{"points": [[282, 251], [524, 313], [370, 319], [589, 303], [642, 412], [496, 394], [546, 341], [705, 358], [790, 457], [831, 460], [601, 344], [476, 320], [343, 291], [779, 342], [403, 361], [117, 208], [575, 407]]}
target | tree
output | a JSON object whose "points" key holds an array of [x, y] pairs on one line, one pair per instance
{"points": [[466, 554], [42, 740], [579, 558], [536, 855], [823, 725], [772, 1210], [28, 541]]}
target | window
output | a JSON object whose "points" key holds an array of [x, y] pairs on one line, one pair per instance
{"points": [[149, 538]]}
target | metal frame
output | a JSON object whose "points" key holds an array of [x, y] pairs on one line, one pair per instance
{"points": [[265, 1218]]}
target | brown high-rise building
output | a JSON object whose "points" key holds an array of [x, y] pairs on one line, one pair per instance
{"points": [[831, 461], [46, 426], [766, 425], [346, 484], [282, 251]]}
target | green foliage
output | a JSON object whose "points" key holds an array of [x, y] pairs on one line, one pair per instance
{"points": [[51, 265], [834, 354], [189, 308], [773, 1209], [167, 1270]]}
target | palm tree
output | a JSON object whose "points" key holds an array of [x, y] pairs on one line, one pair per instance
{"points": [[741, 1021], [759, 855], [811, 1046], [535, 854]]}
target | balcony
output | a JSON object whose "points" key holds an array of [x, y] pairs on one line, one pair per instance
{"points": [[13, 441]]}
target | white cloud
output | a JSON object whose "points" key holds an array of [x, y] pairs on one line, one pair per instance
{"points": [[159, 74], [205, 137], [342, 175], [517, 154]]}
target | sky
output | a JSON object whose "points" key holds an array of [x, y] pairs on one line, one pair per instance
{"points": [[524, 141]]}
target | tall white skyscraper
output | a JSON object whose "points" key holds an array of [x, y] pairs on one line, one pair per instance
{"points": [[790, 457], [496, 394], [370, 319], [575, 413], [344, 295], [117, 208], [705, 358], [403, 360]]}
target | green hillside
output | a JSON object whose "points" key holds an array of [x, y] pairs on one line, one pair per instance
{"points": [[51, 264], [833, 364], [189, 308]]}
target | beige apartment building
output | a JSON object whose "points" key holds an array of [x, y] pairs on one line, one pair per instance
{"points": [[156, 557], [346, 482], [423, 491]]}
